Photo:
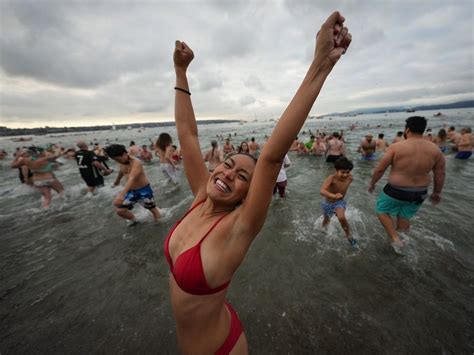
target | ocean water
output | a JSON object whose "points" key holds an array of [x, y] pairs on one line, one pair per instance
{"points": [[74, 279]]}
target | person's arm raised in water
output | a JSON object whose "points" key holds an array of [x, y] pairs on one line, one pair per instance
{"points": [[196, 171], [332, 42]]}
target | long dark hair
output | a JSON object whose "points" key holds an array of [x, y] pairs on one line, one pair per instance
{"points": [[214, 146], [163, 141]]}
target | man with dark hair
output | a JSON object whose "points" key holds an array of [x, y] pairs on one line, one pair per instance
{"points": [[381, 144], [335, 148], [90, 167], [398, 137], [137, 188], [411, 162]]}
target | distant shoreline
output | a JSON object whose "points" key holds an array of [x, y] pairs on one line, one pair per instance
{"points": [[10, 132]]}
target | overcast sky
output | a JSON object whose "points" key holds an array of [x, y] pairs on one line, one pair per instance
{"points": [[73, 63]]}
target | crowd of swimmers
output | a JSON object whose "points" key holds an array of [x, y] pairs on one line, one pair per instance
{"points": [[233, 193]]}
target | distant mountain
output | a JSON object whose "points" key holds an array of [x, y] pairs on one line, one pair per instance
{"points": [[4, 131], [459, 104]]}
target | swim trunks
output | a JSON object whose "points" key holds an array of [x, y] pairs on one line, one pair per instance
{"points": [[400, 201], [143, 195], [463, 155], [44, 182], [329, 208], [332, 158], [370, 156], [169, 171]]}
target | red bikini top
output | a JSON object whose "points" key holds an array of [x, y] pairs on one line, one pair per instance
{"points": [[187, 269]]}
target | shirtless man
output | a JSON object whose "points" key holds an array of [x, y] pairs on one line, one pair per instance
{"points": [[381, 144], [134, 150], [254, 148], [452, 134], [398, 137], [335, 148], [411, 162], [465, 144], [137, 188], [228, 148], [367, 148]]}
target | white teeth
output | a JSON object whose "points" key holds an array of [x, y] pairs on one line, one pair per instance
{"points": [[222, 185]]}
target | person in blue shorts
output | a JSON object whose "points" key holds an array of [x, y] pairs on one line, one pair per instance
{"points": [[334, 189], [136, 190]]}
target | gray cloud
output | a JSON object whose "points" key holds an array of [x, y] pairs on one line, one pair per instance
{"points": [[92, 62]]}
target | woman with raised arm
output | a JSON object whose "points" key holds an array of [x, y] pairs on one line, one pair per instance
{"points": [[208, 244]]}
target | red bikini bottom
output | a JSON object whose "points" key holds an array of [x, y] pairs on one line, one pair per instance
{"points": [[234, 332]]}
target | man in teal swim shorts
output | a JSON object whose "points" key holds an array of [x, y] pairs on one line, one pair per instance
{"points": [[411, 162]]}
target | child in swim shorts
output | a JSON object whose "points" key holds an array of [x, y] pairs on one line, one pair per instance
{"points": [[334, 190]]}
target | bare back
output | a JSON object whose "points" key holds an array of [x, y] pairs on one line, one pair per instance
{"points": [[413, 160]]}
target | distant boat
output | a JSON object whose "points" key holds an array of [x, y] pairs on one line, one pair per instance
{"points": [[410, 110]]}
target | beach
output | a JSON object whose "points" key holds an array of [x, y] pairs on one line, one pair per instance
{"points": [[75, 279]]}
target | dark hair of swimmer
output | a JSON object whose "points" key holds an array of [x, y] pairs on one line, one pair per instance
{"points": [[381, 135], [245, 154], [335, 134], [452, 128], [416, 124], [399, 133], [253, 139], [343, 163], [115, 150], [132, 143], [442, 133], [164, 140]]}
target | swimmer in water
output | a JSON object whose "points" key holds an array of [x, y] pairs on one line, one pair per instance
{"points": [[465, 144], [206, 247], [282, 180], [335, 148], [90, 167], [411, 162], [228, 148], [146, 154], [42, 164], [367, 148], [398, 137], [254, 147], [441, 140], [381, 144], [164, 150], [214, 156], [136, 189], [334, 190]]}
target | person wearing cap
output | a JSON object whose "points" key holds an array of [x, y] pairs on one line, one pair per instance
{"points": [[367, 148]]}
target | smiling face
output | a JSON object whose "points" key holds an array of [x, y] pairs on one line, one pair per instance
{"points": [[230, 181], [343, 174]]}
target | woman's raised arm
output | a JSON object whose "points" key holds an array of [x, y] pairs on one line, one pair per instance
{"points": [[195, 168], [332, 42]]}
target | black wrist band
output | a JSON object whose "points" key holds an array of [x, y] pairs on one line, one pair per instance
{"points": [[183, 90]]}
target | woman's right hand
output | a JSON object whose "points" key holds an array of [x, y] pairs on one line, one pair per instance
{"points": [[182, 56]]}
